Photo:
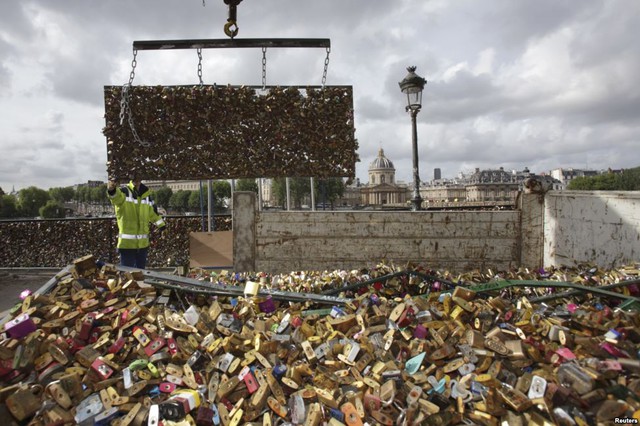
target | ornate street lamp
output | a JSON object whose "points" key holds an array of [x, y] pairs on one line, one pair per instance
{"points": [[412, 86]]}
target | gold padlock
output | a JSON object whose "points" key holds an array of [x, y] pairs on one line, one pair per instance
{"points": [[25, 402]]}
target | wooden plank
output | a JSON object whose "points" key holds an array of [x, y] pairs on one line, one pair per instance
{"points": [[211, 249]]}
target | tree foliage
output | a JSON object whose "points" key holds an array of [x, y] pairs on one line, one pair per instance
{"points": [[180, 200], [299, 188], [221, 194], [162, 196], [194, 199], [329, 190], [52, 209], [30, 201], [628, 180], [247, 185], [325, 191], [8, 207], [62, 194]]}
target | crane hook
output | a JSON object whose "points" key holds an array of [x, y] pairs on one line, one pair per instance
{"points": [[231, 27]]}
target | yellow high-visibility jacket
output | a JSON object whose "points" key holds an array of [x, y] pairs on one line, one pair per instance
{"points": [[134, 212]]}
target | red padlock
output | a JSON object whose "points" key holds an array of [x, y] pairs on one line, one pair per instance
{"points": [[155, 345], [166, 387], [407, 317], [117, 346], [87, 325], [173, 347], [102, 369], [251, 382]]}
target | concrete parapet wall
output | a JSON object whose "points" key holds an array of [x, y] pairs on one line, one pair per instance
{"points": [[555, 229], [598, 227], [286, 241]]}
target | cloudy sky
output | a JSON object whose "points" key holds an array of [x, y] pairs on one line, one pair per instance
{"points": [[511, 83]]}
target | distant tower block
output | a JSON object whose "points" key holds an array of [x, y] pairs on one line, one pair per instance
{"points": [[437, 174]]}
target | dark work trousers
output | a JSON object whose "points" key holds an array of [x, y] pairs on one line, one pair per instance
{"points": [[135, 258]]}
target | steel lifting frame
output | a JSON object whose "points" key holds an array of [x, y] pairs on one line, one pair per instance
{"points": [[231, 43]]}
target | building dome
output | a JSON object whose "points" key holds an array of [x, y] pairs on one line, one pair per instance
{"points": [[381, 170], [381, 162]]}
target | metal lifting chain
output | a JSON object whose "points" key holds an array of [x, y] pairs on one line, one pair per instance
{"points": [[125, 108], [326, 67], [264, 68], [200, 65]]}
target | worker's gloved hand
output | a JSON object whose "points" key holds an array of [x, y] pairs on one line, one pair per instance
{"points": [[162, 230], [111, 186]]}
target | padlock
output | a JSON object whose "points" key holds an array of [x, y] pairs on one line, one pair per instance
{"points": [[103, 370], [167, 387], [86, 326], [20, 326], [154, 346], [173, 409], [278, 408], [351, 417], [25, 402], [251, 382], [141, 336], [117, 346], [515, 399], [314, 416], [575, 377], [538, 387]]}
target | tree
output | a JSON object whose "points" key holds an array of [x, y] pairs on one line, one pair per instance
{"points": [[162, 196], [627, 180], [329, 190], [221, 194], [8, 206], [247, 185], [194, 199], [62, 195], [31, 199], [180, 200], [52, 209], [299, 188], [83, 194], [98, 195], [630, 179]]}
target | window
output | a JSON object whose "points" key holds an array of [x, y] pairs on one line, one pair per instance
{"points": [[382, 179]]}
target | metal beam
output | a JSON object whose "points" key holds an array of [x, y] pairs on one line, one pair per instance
{"points": [[231, 43], [502, 284], [196, 286]]}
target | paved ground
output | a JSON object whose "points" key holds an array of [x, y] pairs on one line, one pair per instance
{"points": [[13, 281]]}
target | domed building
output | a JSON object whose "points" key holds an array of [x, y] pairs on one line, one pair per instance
{"points": [[382, 188]]}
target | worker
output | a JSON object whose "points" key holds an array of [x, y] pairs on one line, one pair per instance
{"points": [[134, 211]]}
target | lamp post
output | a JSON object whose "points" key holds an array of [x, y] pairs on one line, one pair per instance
{"points": [[412, 86]]}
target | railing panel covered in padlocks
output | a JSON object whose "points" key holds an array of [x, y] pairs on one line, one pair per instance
{"points": [[55, 243], [210, 132]]}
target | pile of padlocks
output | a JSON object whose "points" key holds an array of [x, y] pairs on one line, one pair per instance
{"points": [[105, 347]]}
